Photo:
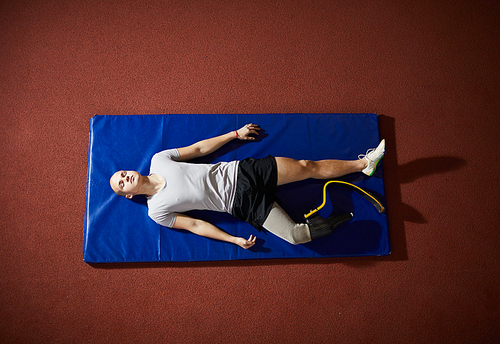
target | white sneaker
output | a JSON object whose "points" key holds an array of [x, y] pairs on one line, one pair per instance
{"points": [[373, 157]]}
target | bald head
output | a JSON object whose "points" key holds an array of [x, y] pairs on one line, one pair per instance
{"points": [[114, 182]]}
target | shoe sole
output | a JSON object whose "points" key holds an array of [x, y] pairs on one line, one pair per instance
{"points": [[374, 167]]}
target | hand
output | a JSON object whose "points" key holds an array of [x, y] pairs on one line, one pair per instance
{"points": [[247, 130], [246, 244]]}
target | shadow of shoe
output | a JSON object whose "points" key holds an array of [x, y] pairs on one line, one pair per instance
{"points": [[420, 168], [396, 175]]}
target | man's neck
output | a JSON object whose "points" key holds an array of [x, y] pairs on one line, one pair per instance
{"points": [[152, 184]]}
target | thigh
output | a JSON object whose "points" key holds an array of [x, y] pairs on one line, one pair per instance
{"points": [[291, 170]]}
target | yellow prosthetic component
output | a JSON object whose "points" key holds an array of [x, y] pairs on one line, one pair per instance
{"points": [[380, 208]]}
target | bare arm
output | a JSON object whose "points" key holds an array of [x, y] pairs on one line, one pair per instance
{"points": [[208, 230], [205, 147]]}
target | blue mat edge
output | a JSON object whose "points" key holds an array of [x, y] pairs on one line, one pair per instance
{"points": [[384, 251]]}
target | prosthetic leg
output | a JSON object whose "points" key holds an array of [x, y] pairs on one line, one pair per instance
{"points": [[320, 227]]}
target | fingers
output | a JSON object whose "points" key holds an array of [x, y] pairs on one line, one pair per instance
{"points": [[252, 129], [252, 126], [251, 241], [246, 244]]}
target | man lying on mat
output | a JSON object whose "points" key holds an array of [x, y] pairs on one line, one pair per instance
{"points": [[243, 188]]}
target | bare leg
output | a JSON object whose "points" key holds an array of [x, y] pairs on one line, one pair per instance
{"points": [[291, 170]]}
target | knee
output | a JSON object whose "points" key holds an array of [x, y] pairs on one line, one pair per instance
{"points": [[307, 165], [300, 234], [292, 240], [308, 168]]}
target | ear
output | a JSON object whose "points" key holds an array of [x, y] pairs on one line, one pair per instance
{"points": [[129, 196]]}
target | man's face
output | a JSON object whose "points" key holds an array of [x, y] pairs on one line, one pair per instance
{"points": [[125, 183]]}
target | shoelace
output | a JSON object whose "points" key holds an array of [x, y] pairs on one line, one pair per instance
{"points": [[368, 152]]}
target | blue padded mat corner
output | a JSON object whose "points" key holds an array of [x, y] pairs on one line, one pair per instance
{"points": [[119, 230]]}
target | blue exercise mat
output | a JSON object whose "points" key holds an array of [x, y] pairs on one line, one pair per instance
{"points": [[119, 230]]}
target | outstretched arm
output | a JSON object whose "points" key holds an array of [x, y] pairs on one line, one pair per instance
{"points": [[205, 147], [208, 230]]}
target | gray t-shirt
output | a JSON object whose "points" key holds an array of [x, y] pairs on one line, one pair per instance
{"points": [[190, 186]]}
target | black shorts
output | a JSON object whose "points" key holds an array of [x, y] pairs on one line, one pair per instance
{"points": [[255, 188]]}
